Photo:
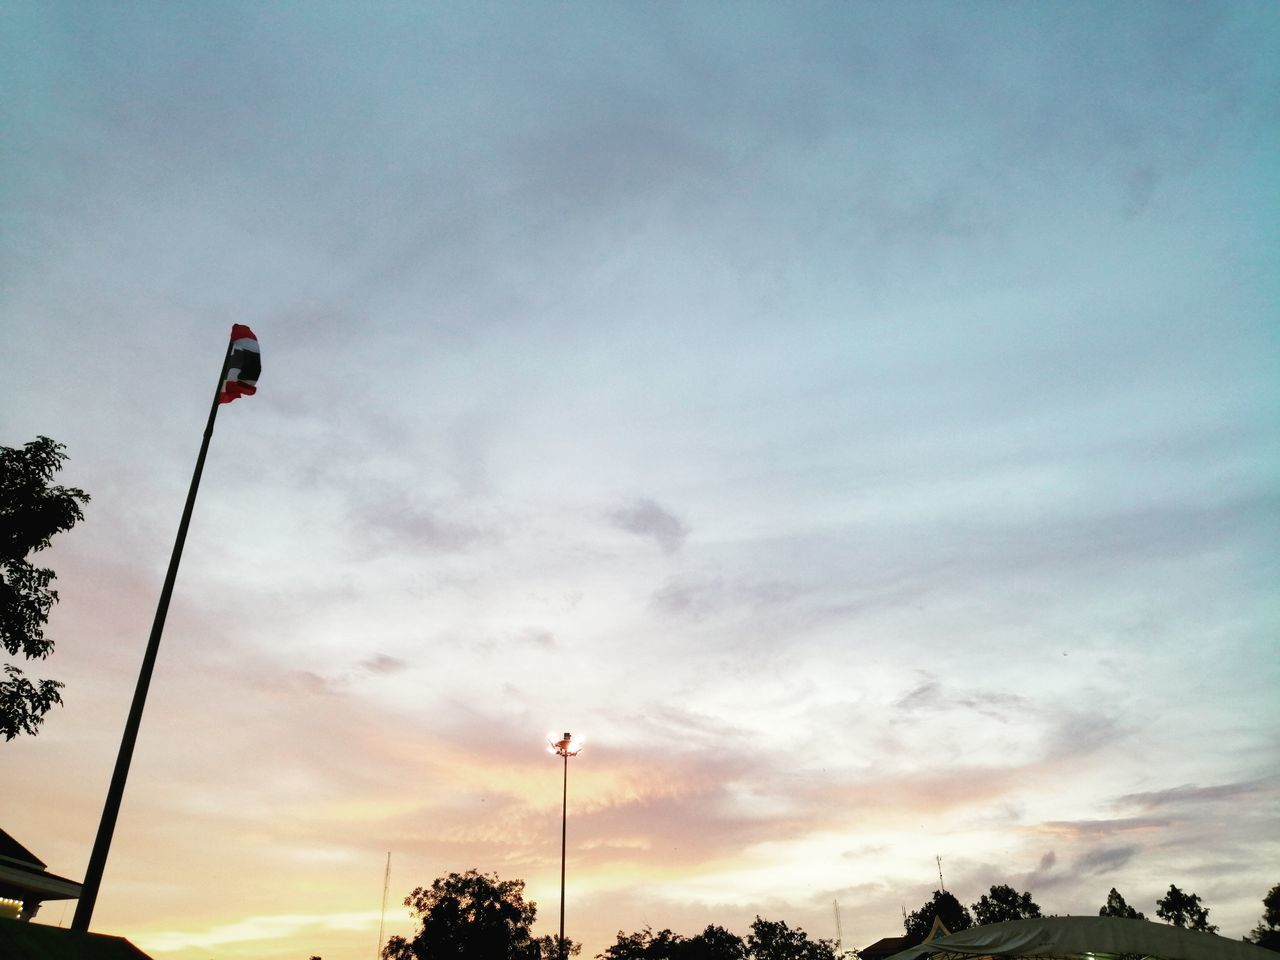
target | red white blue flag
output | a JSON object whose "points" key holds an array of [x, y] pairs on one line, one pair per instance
{"points": [[244, 364]]}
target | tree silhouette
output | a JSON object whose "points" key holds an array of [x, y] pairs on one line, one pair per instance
{"points": [[1267, 932], [644, 945], [714, 943], [1184, 910], [1003, 903], [469, 916], [549, 947], [32, 511], [770, 940], [942, 905], [1116, 907]]}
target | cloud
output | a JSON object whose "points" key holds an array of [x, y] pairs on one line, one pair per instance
{"points": [[394, 520], [924, 695], [273, 927], [689, 597], [923, 343], [1049, 873], [538, 639], [384, 664], [1042, 874], [645, 518], [1105, 859], [1188, 795], [931, 695], [748, 605], [1078, 733], [1072, 831]]}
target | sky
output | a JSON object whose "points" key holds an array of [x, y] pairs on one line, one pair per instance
{"points": [[858, 422]]}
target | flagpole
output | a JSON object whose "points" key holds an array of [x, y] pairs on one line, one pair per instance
{"points": [[111, 809]]}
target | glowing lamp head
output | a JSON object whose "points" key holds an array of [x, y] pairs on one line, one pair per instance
{"points": [[566, 746]]}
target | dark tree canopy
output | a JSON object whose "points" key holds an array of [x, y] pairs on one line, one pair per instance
{"points": [[1184, 910], [32, 511], [1003, 903], [646, 945], [768, 940], [714, 943], [469, 916], [942, 905], [1267, 932], [1271, 907], [549, 947], [771, 940], [1116, 907]]}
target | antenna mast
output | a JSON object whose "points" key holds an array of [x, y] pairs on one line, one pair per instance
{"points": [[940, 883], [839, 930], [386, 885]]}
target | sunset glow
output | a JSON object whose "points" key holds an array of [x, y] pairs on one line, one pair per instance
{"points": [[859, 419]]}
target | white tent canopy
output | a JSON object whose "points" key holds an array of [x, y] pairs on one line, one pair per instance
{"points": [[1084, 938]]}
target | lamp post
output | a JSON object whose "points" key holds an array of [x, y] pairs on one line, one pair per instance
{"points": [[564, 747]]}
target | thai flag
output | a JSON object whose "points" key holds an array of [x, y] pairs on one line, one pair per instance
{"points": [[244, 365]]}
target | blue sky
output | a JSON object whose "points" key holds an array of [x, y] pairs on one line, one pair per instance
{"points": [[858, 420]]}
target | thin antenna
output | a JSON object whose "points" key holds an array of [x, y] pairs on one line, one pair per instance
{"points": [[386, 885], [940, 883], [839, 930]]}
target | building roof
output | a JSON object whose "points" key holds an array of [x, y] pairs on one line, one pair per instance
{"points": [[23, 876], [1084, 938], [884, 947], [35, 941], [11, 849]]}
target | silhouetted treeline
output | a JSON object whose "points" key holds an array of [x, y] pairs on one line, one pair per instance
{"points": [[477, 916]]}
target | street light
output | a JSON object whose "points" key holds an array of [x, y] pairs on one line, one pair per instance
{"points": [[565, 747]]}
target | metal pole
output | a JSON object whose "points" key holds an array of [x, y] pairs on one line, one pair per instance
{"points": [[564, 833], [115, 793]]}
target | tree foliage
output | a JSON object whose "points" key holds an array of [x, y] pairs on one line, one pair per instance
{"points": [[1116, 907], [1003, 903], [768, 940], [646, 945], [549, 947], [942, 905], [32, 511], [1184, 910], [714, 943], [475, 916], [1271, 907], [469, 916], [1267, 932]]}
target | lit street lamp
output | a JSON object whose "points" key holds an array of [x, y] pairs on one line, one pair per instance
{"points": [[565, 747]]}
